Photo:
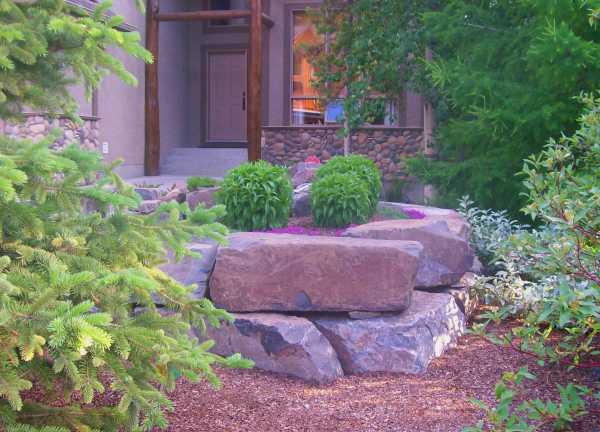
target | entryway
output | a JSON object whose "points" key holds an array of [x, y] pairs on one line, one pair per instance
{"points": [[226, 114]]}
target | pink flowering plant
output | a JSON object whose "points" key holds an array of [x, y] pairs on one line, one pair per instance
{"points": [[312, 160]]}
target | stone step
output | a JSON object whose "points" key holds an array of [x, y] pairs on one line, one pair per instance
{"points": [[208, 162]]}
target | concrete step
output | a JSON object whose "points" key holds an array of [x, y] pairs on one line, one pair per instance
{"points": [[210, 162]]}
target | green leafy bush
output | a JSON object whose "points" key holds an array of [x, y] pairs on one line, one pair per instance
{"points": [[560, 325], [257, 195], [360, 167], [338, 200], [490, 229], [78, 290], [197, 182]]}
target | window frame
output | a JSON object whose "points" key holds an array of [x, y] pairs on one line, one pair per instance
{"points": [[392, 110]]}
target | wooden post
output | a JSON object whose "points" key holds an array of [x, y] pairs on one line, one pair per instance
{"points": [[254, 81], [152, 145]]}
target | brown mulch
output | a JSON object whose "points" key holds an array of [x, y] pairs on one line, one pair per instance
{"points": [[439, 400]]}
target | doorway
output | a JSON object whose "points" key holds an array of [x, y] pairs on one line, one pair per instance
{"points": [[226, 114]]}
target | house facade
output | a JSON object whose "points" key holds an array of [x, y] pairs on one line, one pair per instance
{"points": [[203, 94]]}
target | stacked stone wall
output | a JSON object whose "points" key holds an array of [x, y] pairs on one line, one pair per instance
{"points": [[387, 147], [36, 127]]}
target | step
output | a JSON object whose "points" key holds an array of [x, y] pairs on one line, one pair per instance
{"points": [[208, 162]]}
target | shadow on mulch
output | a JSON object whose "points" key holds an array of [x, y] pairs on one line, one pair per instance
{"points": [[439, 400]]}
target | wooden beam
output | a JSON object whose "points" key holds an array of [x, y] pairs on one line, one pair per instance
{"points": [[254, 81], [204, 15], [152, 115]]}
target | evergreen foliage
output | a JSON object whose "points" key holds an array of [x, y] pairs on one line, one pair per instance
{"points": [[506, 73], [47, 45], [77, 294], [501, 76], [77, 315]]}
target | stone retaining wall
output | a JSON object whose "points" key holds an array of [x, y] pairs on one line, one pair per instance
{"points": [[36, 127], [384, 145]]}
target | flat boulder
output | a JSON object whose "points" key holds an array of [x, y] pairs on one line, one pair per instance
{"points": [[301, 205], [193, 270], [205, 196], [446, 255], [405, 342], [456, 223], [284, 272], [279, 343]]}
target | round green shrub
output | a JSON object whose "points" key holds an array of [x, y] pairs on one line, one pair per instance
{"points": [[257, 196], [339, 200], [359, 166]]}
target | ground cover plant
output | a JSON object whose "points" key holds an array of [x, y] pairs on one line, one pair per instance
{"points": [[551, 281], [198, 182], [257, 196], [77, 289]]}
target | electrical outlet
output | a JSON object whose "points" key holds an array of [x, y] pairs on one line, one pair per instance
{"points": [[104, 147]]}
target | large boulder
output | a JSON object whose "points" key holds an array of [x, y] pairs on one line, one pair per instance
{"points": [[456, 223], [279, 343], [193, 270], [202, 195], [301, 205], [304, 172], [406, 342], [446, 255], [283, 272]]}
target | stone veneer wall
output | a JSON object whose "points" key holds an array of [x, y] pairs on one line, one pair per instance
{"points": [[384, 145], [36, 127]]}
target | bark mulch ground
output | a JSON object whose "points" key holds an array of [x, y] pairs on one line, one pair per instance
{"points": [[439, 400]]}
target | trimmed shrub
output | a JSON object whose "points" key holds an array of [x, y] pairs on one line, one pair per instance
{"points": [[257, 195], [359, 166], [198, 182], [339, 200]]}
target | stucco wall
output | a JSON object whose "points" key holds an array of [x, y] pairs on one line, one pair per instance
{"points": [[121, 107], [173, 72]]}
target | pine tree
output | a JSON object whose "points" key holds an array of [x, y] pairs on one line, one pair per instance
{"points": [[77, 314]]}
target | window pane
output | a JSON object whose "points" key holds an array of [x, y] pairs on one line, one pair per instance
{"points": [[304, 35], [307, 111]]}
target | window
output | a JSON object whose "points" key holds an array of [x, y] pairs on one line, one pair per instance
{"points": [[228, 5], [306, 107]]}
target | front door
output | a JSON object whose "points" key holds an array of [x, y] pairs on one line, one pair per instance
{"points": [[226, 97]]}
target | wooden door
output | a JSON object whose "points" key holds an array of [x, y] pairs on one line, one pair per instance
{"points": [[226, 96]]}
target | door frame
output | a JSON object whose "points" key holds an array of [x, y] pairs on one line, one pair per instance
{"points": [[242, 49]]}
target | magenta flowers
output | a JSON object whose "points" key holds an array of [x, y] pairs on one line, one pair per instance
{"points": [[299, 230], [413, 213]]}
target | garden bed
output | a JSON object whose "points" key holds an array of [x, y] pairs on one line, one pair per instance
{"points": [[438, 400], [305, 225]]}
